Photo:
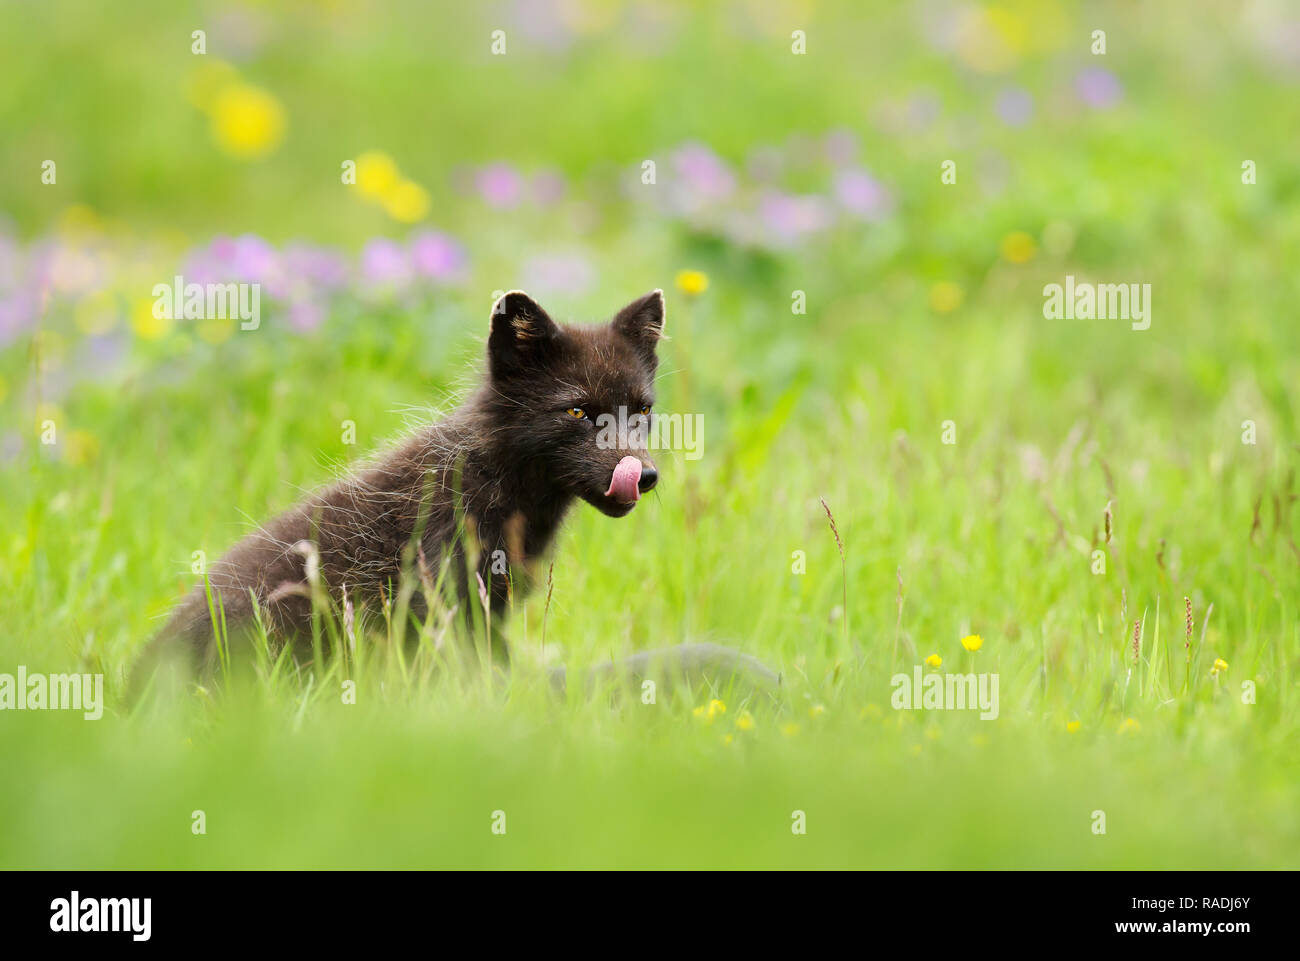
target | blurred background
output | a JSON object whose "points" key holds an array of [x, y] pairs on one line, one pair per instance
{"points": [[477, 171], [381, 169]]}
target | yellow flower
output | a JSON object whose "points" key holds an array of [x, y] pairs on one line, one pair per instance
{"points": [[1013, 30], [1220, 666], [816, 711], [1130, 724], [146, 324], [972, 642], [744, 721], [790, 729], [1018, 247], [934, 660], [728, 738], [406, 201], [1073, 727], [692, 282], [376, 173], [988, 40], [246, 120], [945, 297], [708, 712]]}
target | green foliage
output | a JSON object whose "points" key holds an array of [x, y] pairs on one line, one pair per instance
{"points": [[993, 535]]}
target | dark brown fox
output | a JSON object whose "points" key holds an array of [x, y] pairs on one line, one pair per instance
{"points": [[485, 488]]}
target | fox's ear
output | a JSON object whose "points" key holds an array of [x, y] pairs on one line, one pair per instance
{"points": [[642, 322], [521, 336]]}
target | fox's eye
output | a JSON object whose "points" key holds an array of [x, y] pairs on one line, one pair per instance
{"points": [[645, 411], [576, 412]]}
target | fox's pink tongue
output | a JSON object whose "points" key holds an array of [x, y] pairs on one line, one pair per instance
{"points": [[624, 485]]}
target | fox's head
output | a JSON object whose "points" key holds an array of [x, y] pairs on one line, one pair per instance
{"points": [[573, 403]]}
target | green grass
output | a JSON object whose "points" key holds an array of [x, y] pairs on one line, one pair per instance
{"points": [[289, 776], [991, 535]]}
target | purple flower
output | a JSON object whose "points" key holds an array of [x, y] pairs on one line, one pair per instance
{"points": [[319, 267], [385, 264], [500, 186], [861, 194], [1098, 88], [305, 315], [203, 267], [437, 256], [566, 273], [40, 266], [254, 259], [17, 314], [245, 259], [10, 262], [789, 218], [702, 177], [1015, 107], [222, 248]]}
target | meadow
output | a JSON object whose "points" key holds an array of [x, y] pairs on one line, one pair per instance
{"points": [[904, 461]]}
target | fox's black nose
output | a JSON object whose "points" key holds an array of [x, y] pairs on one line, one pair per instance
{"points": [[649, 477]]}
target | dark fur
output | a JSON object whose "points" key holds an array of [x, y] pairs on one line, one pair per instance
{"points": [[510, 457]]}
